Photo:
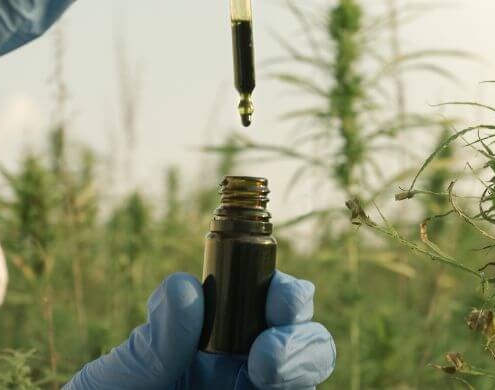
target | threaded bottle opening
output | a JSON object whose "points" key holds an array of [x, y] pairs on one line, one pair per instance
{"points": [[244, 197]]}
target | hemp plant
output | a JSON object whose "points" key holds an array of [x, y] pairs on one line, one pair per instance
{"points": [[15, 371], [475, 211]]}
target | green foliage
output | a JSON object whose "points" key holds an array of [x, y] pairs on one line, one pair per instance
{"points": [[15, 372], [344, 27], [129, 229], [472, 225], [28, 212], [83, 263]]}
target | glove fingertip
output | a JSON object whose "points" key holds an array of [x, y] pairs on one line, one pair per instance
{"points": [[179, 289], [289, 301], [182, 290], [294, 356]]}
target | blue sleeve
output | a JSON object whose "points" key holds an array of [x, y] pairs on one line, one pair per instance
{"points": [[21, 21]]}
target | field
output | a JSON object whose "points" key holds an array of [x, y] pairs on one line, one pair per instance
{"points": [[404, 286]]}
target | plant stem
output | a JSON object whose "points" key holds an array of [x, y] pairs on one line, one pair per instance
{"points": [[345, 96], [353, 262], [79, 297], [48, 311], [434, 256], [396, 53]]}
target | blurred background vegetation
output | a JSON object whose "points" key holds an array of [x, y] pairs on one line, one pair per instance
{"points": [[82, 262]]}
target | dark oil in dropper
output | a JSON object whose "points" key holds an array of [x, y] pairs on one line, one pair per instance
{"points": [[242, 36], [245, 79]]}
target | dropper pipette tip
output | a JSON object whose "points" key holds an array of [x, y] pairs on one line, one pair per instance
{"points": [[246, 120], [246, 109]]}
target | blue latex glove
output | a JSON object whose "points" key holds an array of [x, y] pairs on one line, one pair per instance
{"points": [[21, 21], [162, 354]]}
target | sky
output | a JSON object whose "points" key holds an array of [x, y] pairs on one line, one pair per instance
{"points": [[180, 55]]}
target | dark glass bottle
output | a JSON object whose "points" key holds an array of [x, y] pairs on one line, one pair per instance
{"points": [[239, 263]]}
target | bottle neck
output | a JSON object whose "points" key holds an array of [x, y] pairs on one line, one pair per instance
{"points": [[243, 206]]}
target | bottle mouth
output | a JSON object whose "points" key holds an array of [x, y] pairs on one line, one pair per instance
{"points": [[244, 200]]}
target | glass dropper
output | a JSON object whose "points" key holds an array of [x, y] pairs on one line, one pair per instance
{"points": [[243, 51]]}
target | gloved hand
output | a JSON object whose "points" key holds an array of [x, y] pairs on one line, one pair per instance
{"points": [[162, 354], [22, 21]]}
